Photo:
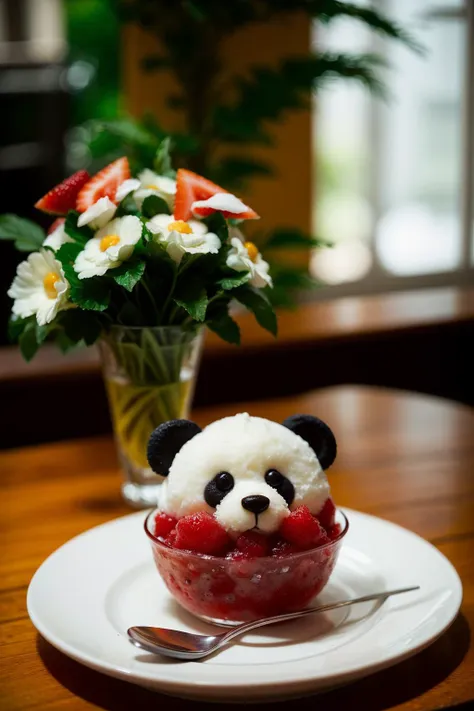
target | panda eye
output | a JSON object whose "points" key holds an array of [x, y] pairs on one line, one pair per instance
{"points": [[280, 483], [216, 489], [224, 481]]}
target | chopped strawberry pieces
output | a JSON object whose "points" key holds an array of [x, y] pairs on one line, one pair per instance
{"points": [[170, 539], [335, 531], [302, 529], [253, 544], [327, 514], [164, 524], [63, 197], [283, 548], [103, 184], [191, 187], [202, 533]]}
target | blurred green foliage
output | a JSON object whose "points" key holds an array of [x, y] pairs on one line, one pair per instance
{"points": [[221, 112], [92, 28]]}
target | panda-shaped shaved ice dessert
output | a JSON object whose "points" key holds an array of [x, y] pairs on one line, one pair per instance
{"points": [[248, 473], [245, 526]]}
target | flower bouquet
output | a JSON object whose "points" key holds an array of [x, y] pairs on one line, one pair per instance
{"points": [[139, 265]]}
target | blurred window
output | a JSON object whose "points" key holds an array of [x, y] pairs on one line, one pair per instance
{"points": [[394, 179]]}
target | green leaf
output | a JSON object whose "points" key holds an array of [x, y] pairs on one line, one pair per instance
{"points": [[282, 298], [232, 282], [162, 162], [267, 93], [155, 205], [331, 9], [256, 301], [81, 235], [127, 206], [42, 332], [67, 254], [91, 294], [128, 274], [294, 239], [17, 325], [28, 342], [292, 278], [216, 223], [81, 326], [192, 297], [129, 131], [27, 235], [226, 328], [64, 343], [234, 171]]}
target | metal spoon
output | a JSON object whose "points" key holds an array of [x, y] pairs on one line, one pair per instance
{"points": [[187, 645]]}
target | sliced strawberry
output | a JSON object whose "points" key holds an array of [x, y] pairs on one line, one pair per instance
{"points": [[104, 184], [62, 198], [191, 187], [57, 222]]}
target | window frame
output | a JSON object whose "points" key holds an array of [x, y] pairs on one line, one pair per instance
{"points": [[378, 279]]}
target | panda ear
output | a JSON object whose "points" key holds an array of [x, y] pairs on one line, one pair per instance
{"points": [[166, 441], [317, 434]]}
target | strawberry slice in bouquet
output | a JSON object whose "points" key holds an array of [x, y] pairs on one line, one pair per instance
{"points": [[139, 264]]}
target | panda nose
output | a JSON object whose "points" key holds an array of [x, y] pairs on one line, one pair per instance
{"points": [[257, 503]]}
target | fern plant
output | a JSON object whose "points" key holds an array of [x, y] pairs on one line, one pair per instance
{"points": [[233, 115]]}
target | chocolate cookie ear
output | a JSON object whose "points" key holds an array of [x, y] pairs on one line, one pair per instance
{"points": [[166, 441], [317, 434]]}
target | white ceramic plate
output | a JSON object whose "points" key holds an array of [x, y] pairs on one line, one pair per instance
{"points": [[86, 594]]}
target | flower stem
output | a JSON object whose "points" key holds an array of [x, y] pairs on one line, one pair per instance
{"points": [[150, 296], [168, 298]]}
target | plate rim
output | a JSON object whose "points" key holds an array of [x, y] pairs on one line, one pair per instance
{"points": [[235, 688]]}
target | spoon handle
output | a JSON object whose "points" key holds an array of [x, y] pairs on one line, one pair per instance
{"points": [[247, 627]]}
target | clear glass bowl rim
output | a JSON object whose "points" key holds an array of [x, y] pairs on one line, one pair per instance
{"points": [[219, 559]]}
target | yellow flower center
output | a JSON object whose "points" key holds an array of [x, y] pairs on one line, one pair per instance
{"points": [[108, 241], [180, 226], [48, 282], [151, 187], [252, 250]]}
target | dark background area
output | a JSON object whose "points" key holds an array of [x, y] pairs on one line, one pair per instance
{"points": [[41, 103]]}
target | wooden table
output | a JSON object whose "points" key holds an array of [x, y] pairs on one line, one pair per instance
{"points": [[405, 457]]}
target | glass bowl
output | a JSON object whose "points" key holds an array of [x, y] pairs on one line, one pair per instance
{"points": [[230, 591]]}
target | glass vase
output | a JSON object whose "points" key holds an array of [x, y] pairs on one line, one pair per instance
{"points": [[150, 375]]}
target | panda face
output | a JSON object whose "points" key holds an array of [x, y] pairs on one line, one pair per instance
{"points": [[247, 471]]}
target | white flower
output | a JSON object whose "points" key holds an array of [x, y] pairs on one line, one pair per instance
{"points": [[244, 256], [39, 288], [228, 204], [154, 184], [57, 238], [98, 214], [181, 237], [125, 188], [109, 247]]}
